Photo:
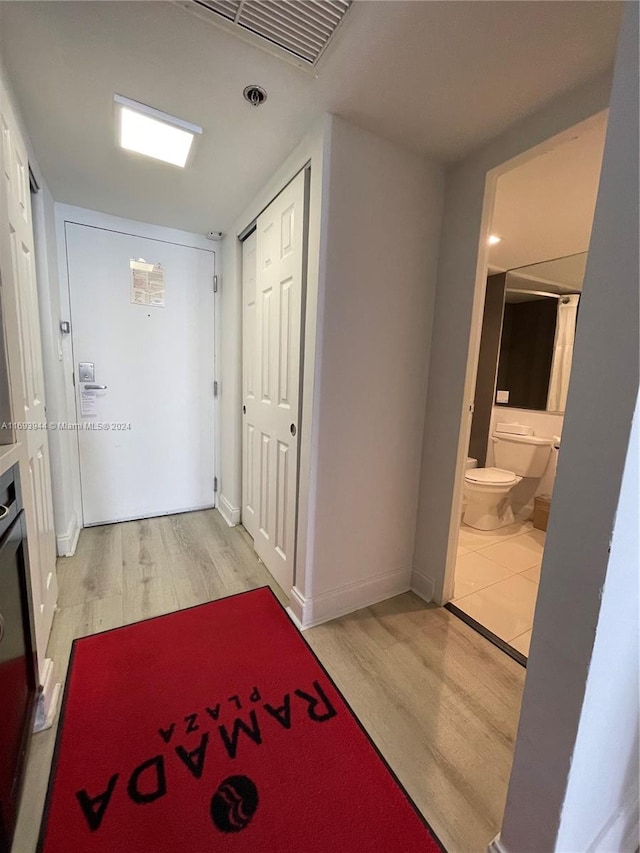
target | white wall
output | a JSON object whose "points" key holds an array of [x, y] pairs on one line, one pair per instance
{"points": [[544, 424], [600, 810], [62, 443], [230, 385], [576, 752], [459, 303], [374, 229], [383, 212]]}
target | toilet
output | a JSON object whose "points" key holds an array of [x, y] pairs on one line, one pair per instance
{"points": [[518, 453], [470, 463]]}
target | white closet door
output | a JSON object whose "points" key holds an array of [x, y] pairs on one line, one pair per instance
{"points": [[271, 398], [22, 331]]}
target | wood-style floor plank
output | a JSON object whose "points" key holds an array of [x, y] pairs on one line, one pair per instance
{"points": [[95, 570], [420, 681], [440, 702]]}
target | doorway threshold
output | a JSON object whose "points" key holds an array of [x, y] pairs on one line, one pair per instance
{"points": [[517, 656]]}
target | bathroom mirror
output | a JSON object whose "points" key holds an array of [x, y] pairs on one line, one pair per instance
{"points": [[538, 330]]}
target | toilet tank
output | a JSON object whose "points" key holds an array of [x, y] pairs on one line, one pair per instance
{"points": [[516, 449]]}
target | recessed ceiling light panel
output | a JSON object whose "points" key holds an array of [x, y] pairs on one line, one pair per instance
{"points": [[494, 239], [154, 133]]}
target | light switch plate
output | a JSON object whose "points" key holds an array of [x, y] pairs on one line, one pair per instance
{"points": [[502, 396]]}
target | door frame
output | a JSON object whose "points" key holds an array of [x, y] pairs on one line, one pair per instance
{"points": [[473, 354], [246, 232], [313, 150], [93, 218]]}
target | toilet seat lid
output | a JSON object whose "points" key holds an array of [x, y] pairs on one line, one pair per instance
{"points": [[490, 476]]}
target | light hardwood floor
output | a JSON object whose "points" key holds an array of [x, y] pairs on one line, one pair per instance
{"points": [[441, 703]]}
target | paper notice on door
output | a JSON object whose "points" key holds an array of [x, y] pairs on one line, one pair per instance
{"points": [[88, 403], [147, 284]]}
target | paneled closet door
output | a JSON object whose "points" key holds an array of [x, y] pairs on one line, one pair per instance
{"points": [[272, 381]]}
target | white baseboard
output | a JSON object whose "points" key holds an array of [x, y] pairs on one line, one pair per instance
{"points": [[294, 619], [496, 846], [231, 514], [422, 585], [48, 699], [296, 607], [317, 609], [66, 544]]}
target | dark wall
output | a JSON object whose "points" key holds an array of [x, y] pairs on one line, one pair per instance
{"points": [[526, 352], [487, 361]]}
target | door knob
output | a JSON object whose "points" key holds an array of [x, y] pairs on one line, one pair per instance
{"points": [[91, 387], [292, 429], [244, 410]]}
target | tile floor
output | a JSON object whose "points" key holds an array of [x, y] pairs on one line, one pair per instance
{"points": [[497, 577]]}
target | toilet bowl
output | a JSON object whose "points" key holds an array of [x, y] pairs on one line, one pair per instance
{"points": [[488, 504], [470, 463], [488, 490]]}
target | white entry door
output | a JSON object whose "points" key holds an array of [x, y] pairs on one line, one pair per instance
{"points": [[146, 440], [24, 354], [272, 305]]}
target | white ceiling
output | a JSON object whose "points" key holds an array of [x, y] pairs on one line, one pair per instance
{"points": [[440, 78], [544, 208]]}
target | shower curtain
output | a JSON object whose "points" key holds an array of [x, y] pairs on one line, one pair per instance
{"points": [[562, 353]]}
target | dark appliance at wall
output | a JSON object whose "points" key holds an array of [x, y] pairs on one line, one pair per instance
{"points": [[18, 670]]}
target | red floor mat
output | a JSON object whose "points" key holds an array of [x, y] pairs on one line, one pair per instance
{"points": [[217, 729]]}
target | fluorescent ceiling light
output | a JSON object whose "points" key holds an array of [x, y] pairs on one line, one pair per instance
{"points": [[148, 131], [493, 239]]}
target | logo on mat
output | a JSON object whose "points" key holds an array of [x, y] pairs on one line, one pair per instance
{"points": [[234, 804], [231, 728]]}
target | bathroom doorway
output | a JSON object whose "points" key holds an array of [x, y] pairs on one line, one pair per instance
{"points": [[539, 236]]}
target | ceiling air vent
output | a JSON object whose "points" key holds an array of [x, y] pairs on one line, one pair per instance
{"points": [[299, 30]]}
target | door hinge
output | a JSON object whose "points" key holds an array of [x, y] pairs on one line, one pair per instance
{"points": [[215, 485], [215, 284], [215, 387], [73, 378]]}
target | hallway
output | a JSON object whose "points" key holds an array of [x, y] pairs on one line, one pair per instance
{"points": [[440, 702]]}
